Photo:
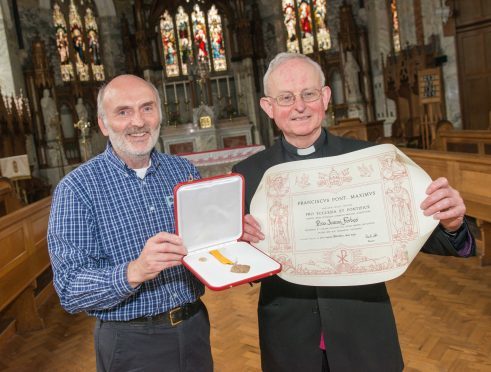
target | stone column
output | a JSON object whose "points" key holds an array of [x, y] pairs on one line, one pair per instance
{"points": [[11, 78]]}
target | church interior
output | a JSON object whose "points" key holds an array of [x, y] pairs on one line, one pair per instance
{"points": [[413, 73]]}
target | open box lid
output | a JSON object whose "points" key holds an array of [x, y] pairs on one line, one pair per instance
{"points": [[209, 211], [208, 216]]}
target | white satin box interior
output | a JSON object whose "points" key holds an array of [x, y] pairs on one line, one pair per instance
{"points": [[209, 219]]}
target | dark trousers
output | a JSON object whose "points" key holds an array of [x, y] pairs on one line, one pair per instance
{"points": [[148, 347]]}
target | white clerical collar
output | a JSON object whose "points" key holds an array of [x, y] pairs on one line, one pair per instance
{"points": [[309, 150], [306, 151]]}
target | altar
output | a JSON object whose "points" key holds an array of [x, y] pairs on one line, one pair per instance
{"points": [[216, 162], [190, 137]]}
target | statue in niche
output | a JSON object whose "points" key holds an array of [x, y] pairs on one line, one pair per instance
{"points": [[351, 70], [66, 121], [50, 116], [54, 149], [82, 112]]}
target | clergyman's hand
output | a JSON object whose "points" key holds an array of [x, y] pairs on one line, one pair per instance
{"points": [[160, 252], [252, 230], [444, 203]]}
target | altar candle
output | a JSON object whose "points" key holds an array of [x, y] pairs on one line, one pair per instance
{"points": [[238, 84], [185, 91], [164, 88], [165, 92], [175, 93], [228, 87], [218, 87]]}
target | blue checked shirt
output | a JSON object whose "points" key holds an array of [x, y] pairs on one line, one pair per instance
{"points": [[101, 217]]}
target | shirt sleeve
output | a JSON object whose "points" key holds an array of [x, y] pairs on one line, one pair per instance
{"points": [[82, 280]]}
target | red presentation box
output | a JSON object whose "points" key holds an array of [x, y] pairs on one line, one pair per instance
{"points": [[209, 216]]}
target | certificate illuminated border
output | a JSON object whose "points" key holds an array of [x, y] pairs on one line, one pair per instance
{"points": [[351, 219]]}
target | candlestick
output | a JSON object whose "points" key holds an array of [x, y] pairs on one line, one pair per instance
{"points": [[175, 92], [218, 88], [167, 115], [228, 87], [84, 127], [229, 108], [185, 92], [238, 84], [164, 88]]}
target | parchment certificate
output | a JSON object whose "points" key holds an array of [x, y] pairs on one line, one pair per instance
{"points": [[346, 220]]}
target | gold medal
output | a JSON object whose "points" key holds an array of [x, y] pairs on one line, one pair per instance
{"points": [[240, 269], [236, 268]]}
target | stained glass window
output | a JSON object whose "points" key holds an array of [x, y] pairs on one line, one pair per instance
{"points": [[305, 21], [291, 26], [78, 43], [183, 34], [195, 34], [304, 14], [216, 37], [94, 46], [62, 44], [396, 37], [169, 45], [199, 33], [323, 35]]}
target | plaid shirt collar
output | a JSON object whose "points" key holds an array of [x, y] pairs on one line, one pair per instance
{"points": [[120, 165]]}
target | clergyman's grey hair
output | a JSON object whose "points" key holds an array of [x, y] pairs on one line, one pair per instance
{"points": [[284, 57]]}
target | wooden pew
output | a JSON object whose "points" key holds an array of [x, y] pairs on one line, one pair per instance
{"points": [[468, 141], [23, 258], [471, 175], [355, 128]]}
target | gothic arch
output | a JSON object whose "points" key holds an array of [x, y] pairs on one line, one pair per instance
{"points": [[105, 8]]}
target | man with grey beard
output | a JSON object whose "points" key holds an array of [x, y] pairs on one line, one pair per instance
{"points": [[113, 247]]}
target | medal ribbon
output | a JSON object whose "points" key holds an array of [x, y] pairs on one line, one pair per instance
{"points": [[220, 257]]}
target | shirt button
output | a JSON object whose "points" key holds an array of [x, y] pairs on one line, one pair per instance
{"points": [[152, 209], [175, 295], [143, 182]]}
